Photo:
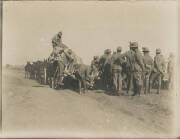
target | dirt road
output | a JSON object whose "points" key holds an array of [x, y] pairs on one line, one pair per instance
{"points": [[34, 110]]}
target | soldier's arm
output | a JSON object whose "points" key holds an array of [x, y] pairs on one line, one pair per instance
{"points": [[158, 64], [140, 60], [101, 62], [152, 64], [122, 59], [123, 55]]}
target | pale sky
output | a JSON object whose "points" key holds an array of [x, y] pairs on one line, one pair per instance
{"points": [[88, 27]]}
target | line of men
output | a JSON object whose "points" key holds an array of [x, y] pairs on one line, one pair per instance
{"points": [[141, 71]]}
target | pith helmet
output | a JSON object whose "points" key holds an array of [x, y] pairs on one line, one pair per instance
{"points": [[134, 44], [145, 49], [158, 51], [96, 57], [60, 34], [119, 49], [107, 51]]}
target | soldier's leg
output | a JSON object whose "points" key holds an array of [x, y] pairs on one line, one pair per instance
{"points": [[146, 83], [152, 78], [109, 79], [119, 81], [134, 85], [103, 80], [79, 85], [139, 82], [159, 82], [129, 78], [106, 79], [114, 80]]}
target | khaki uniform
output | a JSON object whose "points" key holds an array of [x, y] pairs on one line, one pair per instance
{"points": [[128, 58], [158, 70], [148, 65], [135, 67], [105, 67], [116, 66]]}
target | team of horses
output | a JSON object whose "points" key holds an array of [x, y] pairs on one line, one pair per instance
{"points": [[49, 73]]}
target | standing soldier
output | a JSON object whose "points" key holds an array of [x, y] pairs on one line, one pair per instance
{"points": [[148, 64], [117, 61], [128, 58], [105, 67], [158, 70], [170, 70], [136, 66]]}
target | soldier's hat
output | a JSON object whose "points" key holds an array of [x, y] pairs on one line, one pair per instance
{"points": [[158, 51], [69, 51], [145, 49], [119, 49], [133, 44], [61, 50], [107, 51], [59, 33], [96, 57]]}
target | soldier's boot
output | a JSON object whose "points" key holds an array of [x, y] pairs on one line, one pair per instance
{"points": [[135, 91], [134, 94], [139, 90], [115, 90], [80, 91], [159, 86], [146, 89], [128, 86], [149, 87]]}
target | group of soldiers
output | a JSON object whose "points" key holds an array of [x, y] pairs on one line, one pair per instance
{"points": [[133, 70], [113, 72]]}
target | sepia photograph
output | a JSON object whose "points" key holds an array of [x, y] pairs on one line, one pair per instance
{"points": [[90, 69]]}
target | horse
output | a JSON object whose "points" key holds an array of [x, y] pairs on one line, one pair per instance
{"points": [[82, 75]]}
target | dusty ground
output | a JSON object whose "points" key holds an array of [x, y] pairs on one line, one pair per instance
{"points": [[34, 110]]}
